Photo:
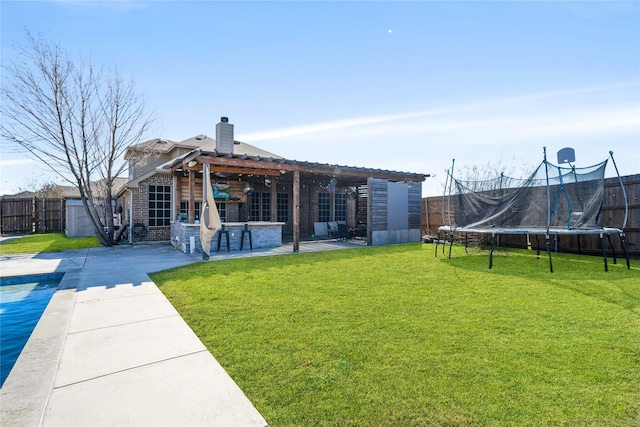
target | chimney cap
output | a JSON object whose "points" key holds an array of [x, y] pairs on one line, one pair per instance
{"points": [[224, 119]]}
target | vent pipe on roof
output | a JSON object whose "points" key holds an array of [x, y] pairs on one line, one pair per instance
{"points": [[224, 136]]}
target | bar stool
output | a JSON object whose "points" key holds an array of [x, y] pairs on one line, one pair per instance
{"points": [[246, 230], [226, 235]]}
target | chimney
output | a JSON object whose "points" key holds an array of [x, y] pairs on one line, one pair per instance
{"points": [[224, 136]]}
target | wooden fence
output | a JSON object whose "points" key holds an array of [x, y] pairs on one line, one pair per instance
{"points": [[32, 215], [613, 212]]}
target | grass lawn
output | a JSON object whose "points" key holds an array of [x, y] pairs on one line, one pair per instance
{"points": [[392, 336], [49, 242]]}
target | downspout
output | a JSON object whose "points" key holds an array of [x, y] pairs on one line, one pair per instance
{"points": [[130, 232]]}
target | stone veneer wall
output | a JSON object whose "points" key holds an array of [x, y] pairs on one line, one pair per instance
{"points": [[262, 237]]}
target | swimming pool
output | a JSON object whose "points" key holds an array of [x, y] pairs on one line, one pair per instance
{"points": [[22, 301]]}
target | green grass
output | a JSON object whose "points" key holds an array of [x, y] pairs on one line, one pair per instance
{"points": [[50, 242], [392, 336]]}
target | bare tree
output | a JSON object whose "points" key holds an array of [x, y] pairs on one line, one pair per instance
{"points": [[494, 175], [76, 118], [42, 189]]}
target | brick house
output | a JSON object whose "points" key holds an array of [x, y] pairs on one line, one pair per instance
{"points": [[252, 185]]}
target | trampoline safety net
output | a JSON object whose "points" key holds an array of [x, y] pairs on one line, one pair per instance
{"points": [[553, 200], [560, 197]]}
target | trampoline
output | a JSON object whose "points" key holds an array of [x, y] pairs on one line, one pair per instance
{"points": [[554, 200]]}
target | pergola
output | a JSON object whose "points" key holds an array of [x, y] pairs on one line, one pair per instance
{"points": [[281, 170]]}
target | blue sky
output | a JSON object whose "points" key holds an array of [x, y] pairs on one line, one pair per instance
{"points": [[394, 85]]}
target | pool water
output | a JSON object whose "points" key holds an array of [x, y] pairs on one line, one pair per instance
{"points": [[22, 302]]}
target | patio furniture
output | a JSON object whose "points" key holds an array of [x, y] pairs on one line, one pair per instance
{"points": [[226, 235], [332, 228], [246, 230], [361, 230], [343, 231]]}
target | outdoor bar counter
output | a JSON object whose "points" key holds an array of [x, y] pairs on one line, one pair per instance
{"points": [[186, 237]]}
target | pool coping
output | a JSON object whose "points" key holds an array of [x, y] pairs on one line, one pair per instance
{"points": [[51, 278], [26, 391], [28, 278]]}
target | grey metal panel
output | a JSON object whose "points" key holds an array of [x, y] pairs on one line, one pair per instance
{"points": [[390, 237], [397, 206], [415, 205], [378, 198]]}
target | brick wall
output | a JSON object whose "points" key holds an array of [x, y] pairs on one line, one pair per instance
{"points": [[140, 212]]}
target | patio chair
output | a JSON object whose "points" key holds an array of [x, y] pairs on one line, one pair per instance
{"points": [[343, 231], [361, 230]]}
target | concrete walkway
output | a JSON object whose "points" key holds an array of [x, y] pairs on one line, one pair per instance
{"points": [[111, 350]]}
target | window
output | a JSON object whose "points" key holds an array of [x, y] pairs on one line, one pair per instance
{"points": [[222, 210], [260, 209], [184, 209], [254, 213], [282, 207], [266, 207], [159, 205], [324, 207], [341, 207]]}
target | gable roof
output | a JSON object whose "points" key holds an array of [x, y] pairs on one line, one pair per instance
{"points": [[247, 156], [202, 142]]}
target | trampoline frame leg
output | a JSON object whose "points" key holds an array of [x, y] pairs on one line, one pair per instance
{"points": [[491, 252], [604, 252], [579, 246], [623, 242], [548, 244], [613, 249]]}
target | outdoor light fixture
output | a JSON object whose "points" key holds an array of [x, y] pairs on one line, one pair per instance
{"points": [[331, 188], [192, 163], [247, 188]]}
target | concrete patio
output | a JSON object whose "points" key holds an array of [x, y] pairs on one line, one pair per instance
{"points": [[111, 350]]}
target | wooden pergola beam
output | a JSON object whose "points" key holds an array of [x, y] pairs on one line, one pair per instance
{"points": [[245, 171], [192, 190], [261, 165], [296, 211]]}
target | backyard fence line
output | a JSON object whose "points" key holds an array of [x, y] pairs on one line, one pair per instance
{"points": [[32, 215]]}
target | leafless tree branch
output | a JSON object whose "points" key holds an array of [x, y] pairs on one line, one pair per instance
{"points": [[76, 118]]}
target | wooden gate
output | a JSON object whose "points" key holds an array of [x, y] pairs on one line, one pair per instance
{"points": [[33, 215]]}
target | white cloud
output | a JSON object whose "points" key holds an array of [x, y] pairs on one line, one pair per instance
{"points": [[511, 130], [116, 5], [496, 114], [16, 162]]}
